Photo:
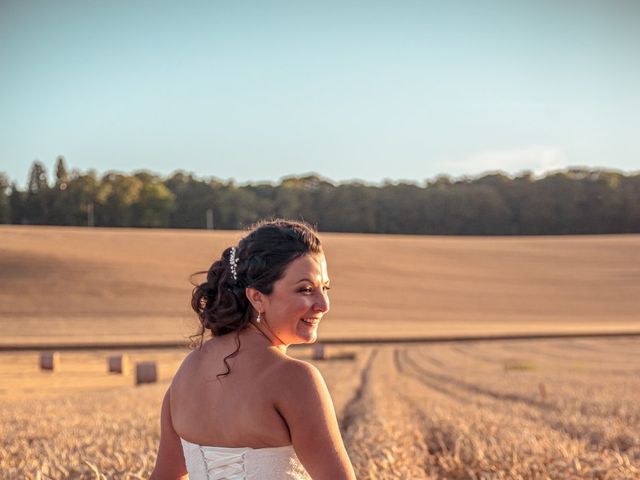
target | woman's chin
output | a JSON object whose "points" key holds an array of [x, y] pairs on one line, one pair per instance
{"points": [[308, 336], [308, 339]]}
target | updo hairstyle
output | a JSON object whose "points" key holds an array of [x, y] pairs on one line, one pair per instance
{"points": [[262, 258]]}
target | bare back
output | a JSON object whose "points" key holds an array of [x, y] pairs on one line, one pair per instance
{"points": [[235, 410]]}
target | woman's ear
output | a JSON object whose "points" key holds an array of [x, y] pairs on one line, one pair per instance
{"points": [[256, 298]]}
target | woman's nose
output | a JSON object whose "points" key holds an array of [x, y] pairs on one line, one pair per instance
{"points": [[322, 303]]}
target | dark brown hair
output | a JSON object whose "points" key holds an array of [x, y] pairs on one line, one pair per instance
{"points": [[263, 256]]}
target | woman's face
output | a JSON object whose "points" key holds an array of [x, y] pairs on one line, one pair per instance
{"points": [[299, 300]]}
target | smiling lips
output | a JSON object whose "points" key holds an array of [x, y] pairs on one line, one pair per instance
{"points": [[311, 321]]}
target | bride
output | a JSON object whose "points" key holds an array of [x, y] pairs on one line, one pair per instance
{"points": [[239, 407]]}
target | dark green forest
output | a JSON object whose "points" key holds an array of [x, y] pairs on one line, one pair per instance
{"points": [[574, 201]]}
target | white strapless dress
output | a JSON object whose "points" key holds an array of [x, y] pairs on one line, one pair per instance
{"points": [[242, 463]]}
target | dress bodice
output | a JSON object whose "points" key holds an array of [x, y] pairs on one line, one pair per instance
{"points": [[242, 463]]}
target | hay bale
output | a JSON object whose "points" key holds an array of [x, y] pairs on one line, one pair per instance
{"points": [[146, 372], [49, 360], [119, 364], [319, 352]]}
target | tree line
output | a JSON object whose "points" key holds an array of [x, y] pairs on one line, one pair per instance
{"points": [[573, 201]]}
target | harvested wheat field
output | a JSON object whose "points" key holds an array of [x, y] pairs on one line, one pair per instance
{"points": [[564, 408], [518, 409], [74, 285], [545, 409]]}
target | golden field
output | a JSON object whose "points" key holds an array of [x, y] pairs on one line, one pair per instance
{"points": [[72, 285], [548, 409], [564, 408]]}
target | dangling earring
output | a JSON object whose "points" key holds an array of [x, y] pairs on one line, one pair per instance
{"points": [[258, 318]]}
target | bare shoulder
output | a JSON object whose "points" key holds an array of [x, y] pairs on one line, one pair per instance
{"points": [[298, 376], [296, 366], [300, 385], [189, 365], [191, 357], [304, 402]]}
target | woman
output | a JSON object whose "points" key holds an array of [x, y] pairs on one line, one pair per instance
{"points": [[239, 407]]}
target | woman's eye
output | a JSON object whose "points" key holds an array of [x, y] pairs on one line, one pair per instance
{"points": [[310, 289]]}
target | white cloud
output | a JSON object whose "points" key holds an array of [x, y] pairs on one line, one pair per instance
{"points": [[538, 158]]}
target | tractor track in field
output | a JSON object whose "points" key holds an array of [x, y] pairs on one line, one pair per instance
{"points": [[529, 409], [435, 380], [383, 429], [350, 408]]}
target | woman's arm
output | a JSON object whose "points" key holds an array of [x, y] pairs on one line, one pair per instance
{"points": [[305, 404], [170, 460]]}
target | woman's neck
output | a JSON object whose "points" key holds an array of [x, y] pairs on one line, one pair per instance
{"points": [[265, 337]]}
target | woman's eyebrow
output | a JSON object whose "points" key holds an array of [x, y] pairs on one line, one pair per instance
{"points": [[311, 281]]}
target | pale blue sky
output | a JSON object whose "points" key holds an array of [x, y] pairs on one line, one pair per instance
{"points": [[348, 89]]}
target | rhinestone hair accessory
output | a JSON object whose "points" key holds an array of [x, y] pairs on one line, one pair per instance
{"points": [[233, 264]]}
